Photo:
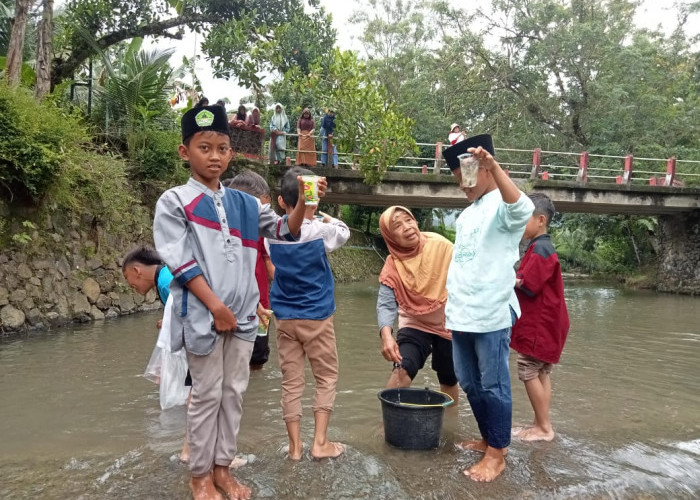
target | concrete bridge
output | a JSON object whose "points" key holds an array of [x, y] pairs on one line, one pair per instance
{"points": [[677, 208], [441, 191]]}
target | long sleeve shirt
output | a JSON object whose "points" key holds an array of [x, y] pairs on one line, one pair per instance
{"points": [[214, 234], [544, 325], [481, 275], [303, 285], [388, 309]]}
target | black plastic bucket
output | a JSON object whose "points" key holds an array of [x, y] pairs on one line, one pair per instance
{"points": [[413, 417]]}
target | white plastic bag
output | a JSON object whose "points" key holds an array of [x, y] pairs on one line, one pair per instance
{"points": [[173, 391], [166, 368], [155, 364]]}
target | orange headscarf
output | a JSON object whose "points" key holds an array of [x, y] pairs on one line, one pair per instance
{"points": [[418, 274]]}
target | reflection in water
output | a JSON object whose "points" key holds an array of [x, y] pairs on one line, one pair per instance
{"points": [[79, 421]]}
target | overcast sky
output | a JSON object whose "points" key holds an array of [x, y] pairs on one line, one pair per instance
{"points": [[652, 14]]}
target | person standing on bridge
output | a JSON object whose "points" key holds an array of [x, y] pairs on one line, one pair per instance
{"points": [[412, 286], [279, 127], [481, 303], [456, 135], [326, 132], [306, 126]]}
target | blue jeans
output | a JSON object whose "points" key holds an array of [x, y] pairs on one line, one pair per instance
{"points": [[324, 151], [481, 366]]}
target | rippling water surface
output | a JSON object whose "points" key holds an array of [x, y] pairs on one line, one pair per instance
{"points": [[77, 419]]}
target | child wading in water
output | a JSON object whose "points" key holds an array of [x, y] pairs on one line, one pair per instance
{"points": [[207, 234], [303, 301], [481, 304], [255, 185], [541, 331], [144, 270]]}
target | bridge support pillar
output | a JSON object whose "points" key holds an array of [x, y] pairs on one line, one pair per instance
{"points": [[679, 253]]}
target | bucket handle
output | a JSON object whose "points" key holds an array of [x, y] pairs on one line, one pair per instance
{"points": [[447, 403]]}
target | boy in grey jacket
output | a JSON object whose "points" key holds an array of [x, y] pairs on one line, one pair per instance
{"points": [[207, 235]]}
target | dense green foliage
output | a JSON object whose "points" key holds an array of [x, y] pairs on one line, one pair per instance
{"points": [[36, 139], [605, 244], [48, 166], [240, 36], [132, 113], [558, 75]]}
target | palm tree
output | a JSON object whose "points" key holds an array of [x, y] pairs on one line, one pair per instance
{"points": [[133, 94]]}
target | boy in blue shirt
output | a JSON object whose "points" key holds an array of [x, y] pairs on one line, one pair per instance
{"points": [[207, 235], [303, 302], [481, 304]]}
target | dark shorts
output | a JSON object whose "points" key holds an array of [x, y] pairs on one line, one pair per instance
{"points": [[415, 347], [261, 350]]}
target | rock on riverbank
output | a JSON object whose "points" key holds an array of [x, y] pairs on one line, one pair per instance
{"points": [[77, 280]]}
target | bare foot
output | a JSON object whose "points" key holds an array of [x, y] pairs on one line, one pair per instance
{"points": [[479, 445], [231, 488], [185, 455], [534, 434], [329, 450], [488, 468], [294, 452], [237, 462], [203, 488]]}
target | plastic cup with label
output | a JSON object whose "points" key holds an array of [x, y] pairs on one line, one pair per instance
{"points": [[310, 189], [469, 166]]}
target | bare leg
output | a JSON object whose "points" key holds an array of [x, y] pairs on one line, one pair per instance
{"points": [[539, 390], [399, 378], [479, 445], [489, 467], [203, 488], [322, 448], [453, 391], [185, 453], [295, 444], [226, 483]]}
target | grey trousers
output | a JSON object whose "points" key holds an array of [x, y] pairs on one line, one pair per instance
{"points": [[219, 380]]}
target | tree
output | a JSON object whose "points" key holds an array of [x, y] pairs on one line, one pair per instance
{"points": [[134, 93], [399, 37], [16, 44], [43, 51], [298, 43], [369, 124], [241, 25], [577, 74]]}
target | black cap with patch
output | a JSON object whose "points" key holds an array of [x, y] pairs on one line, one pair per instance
{"points": [[204, 118], [451, 154]]}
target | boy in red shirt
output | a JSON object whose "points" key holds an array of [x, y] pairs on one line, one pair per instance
{"points": [[540, 333]]}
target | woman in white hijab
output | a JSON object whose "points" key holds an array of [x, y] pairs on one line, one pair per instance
{"points": [[279, 126]]}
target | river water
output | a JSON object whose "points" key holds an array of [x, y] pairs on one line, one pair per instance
{"points": [[79, 421]]}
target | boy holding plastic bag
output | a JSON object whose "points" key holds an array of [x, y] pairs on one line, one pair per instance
{"points": [[144, 271]]}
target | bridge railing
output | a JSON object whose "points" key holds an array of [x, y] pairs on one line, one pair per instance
{"points": [[539, 164]]}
